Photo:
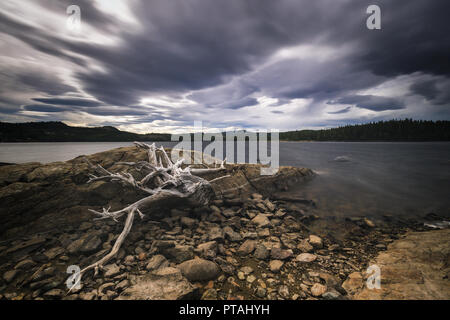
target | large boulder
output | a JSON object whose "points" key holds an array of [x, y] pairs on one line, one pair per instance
{"points": [[199, 270]]}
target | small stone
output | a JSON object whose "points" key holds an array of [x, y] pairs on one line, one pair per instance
{"points": [[331, 295], [283, 291], [241, 275], [304, 246], [112, 270], [306, 257], [247, 247], [318, 289], [156, 262], [142, 256], [247, 270], [264, 233], [315, 241], [269, 205], [53, 253], [369, 223], [251, 278], [129, 260], [275, 265], [260, 292], [231, 235], [261, 252], [280, 254], [261, 220]]}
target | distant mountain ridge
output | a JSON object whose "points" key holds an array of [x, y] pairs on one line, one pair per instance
{"points": [[60, 132], [392, 130]]}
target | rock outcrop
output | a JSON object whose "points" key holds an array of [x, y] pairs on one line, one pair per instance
{"points": [[416, 267]]}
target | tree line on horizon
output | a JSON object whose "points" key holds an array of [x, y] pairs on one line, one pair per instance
{"points": [[392, 130]]}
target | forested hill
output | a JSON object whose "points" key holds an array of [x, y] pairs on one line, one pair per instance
{"points": [[60, 132], [393, 130]]}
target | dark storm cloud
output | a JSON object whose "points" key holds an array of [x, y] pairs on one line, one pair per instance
{"points": [[69, 102], [370, 102], [43, 108], [202, 47], [345, 110], [430, 90]]}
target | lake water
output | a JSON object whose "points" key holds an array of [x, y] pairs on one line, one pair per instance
{"points": [[372, 179]]}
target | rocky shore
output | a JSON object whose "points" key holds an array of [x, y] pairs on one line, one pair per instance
{"points": [[257, 241]]}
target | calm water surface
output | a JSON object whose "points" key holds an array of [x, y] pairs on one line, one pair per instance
{"points": [[375, 178]]}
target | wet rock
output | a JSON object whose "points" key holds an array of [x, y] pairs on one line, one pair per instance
{"points": [[318, 289], [9, 276], [54, 252], [156, 262], [179, 253], [275, 265], [306, 257], [199, 270], [188, 222], [25, 264], [261, 220], [54, 293], [261, 252], [86, 244], [280, 254], [247, 247], [111, 270], [315, 241], [231, 235], [228, 213], [215, 234], [33, 243]]}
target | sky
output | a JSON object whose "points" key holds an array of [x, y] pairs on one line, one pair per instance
{"points": [[160, 65]]}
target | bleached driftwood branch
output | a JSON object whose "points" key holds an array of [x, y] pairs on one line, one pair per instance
{"points": [[163, 181]]}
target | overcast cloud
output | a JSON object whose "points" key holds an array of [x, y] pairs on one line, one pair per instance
{"points": [[159, 65]]}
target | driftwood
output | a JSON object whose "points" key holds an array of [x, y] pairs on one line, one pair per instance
{"points": [[163, 181]]}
